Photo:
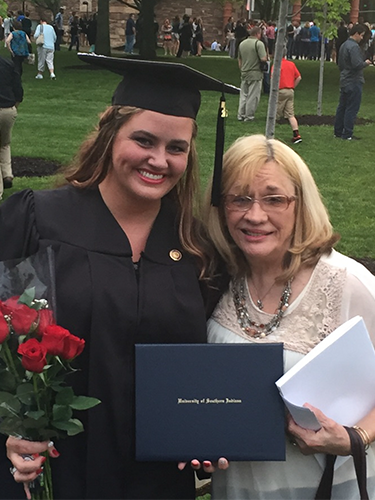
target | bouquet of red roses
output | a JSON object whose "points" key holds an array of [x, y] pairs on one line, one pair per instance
{"points": [[35, 359]]}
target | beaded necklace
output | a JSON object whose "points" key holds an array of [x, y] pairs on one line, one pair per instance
{"points": [[250, 327]]}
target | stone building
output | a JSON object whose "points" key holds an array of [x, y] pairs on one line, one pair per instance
{"points": [[214, 14]]}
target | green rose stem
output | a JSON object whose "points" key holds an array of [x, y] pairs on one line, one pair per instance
{"points": [[9, 360], [45, 478]]}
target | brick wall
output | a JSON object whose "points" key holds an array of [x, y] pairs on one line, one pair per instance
{"points": [[211, 12]]}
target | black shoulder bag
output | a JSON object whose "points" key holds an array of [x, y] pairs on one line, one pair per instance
{"points": [[263, 65], [359, 456]]}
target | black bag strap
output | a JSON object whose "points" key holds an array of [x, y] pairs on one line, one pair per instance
{"points": [[359, 457], [325, 487], [256, 49]]}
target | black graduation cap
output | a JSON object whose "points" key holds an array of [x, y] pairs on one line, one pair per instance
{"points": [[168, 88]]}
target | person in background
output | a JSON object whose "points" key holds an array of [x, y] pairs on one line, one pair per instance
{"points": [[215, 45], [240, 34], [83, 24], [20, 16], [166, 30], [129, 34], [18, 44], [229, 32], [199, 36], [314, 42], [271, 37], [297, 46], [289, 79], [186, 34], [7, 25], [46, 52], [175, 35], [11, 94], [288, 285], [74, 33], [59, 25], [351, 65], [26, 24], [305, 39], [71, 18], [251, 51], [290, 39], [91, 32], [124, 232]]}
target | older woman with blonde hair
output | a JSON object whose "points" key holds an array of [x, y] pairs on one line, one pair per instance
{"points": [[288, 285]]}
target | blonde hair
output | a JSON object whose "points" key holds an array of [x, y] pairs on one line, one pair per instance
{"points": [[94, 160], [313, 234]]}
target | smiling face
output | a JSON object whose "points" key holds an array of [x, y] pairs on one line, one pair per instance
{"points": [[149, 157], [263, 237]]}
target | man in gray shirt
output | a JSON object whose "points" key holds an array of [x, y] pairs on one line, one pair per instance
{"points": [[251, 51], [351, 63]]}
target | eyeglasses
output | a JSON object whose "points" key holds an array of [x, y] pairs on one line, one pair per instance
{"points": [[271, 203]]}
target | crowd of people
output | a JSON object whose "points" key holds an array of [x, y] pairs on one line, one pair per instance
{"points": [[77, 31], [153, 270]]}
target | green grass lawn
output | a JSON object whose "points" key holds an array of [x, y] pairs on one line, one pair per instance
{"points": [[56, 115]]}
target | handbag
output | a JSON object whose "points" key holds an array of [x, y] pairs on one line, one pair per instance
{"points": [[264, 66], [40, 38], [359, 456], [31, 59]]}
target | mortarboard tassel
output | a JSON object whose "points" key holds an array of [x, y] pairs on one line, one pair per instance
{"points": [[219, 151]]}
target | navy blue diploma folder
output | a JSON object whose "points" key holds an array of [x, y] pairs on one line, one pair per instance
{"points": [[207, 401]]}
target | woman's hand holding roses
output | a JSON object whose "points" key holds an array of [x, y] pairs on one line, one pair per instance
{"points": [[26, 471]]}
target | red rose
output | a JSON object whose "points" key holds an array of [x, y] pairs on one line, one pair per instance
{"points": [[4, 330], [53, 339], [33, 355], [73, 346], [45, 319], [22, 317], [60, 342]]}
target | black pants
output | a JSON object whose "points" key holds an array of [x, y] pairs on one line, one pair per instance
{"points": [[18, 60]]}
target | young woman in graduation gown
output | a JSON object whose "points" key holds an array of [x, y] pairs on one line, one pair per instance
{"points": [[126, 248]]}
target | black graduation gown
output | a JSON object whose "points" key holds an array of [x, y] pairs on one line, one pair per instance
{"points": [[101, 298]]}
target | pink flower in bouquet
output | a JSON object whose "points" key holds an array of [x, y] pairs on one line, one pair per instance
{"points": [[4, 330], [22, 317], [33, 355], [60, 342], [45, 319]]}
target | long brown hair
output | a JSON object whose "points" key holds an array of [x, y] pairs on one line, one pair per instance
{"points": [[94, 160]]}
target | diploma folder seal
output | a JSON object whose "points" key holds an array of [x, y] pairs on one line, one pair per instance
{"points": [[207, 401]]}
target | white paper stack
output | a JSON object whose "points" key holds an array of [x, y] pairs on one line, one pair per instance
{"points": [[337, 376]]}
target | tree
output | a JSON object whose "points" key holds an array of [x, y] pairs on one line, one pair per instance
{"points": [[267, 9], [147, 42], [279, 49], [327, 14], [51, 5], [102, 44], [146, 36], [3, 8]]}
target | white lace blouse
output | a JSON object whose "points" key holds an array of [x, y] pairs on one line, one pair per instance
{"points": [[338, 289]]}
